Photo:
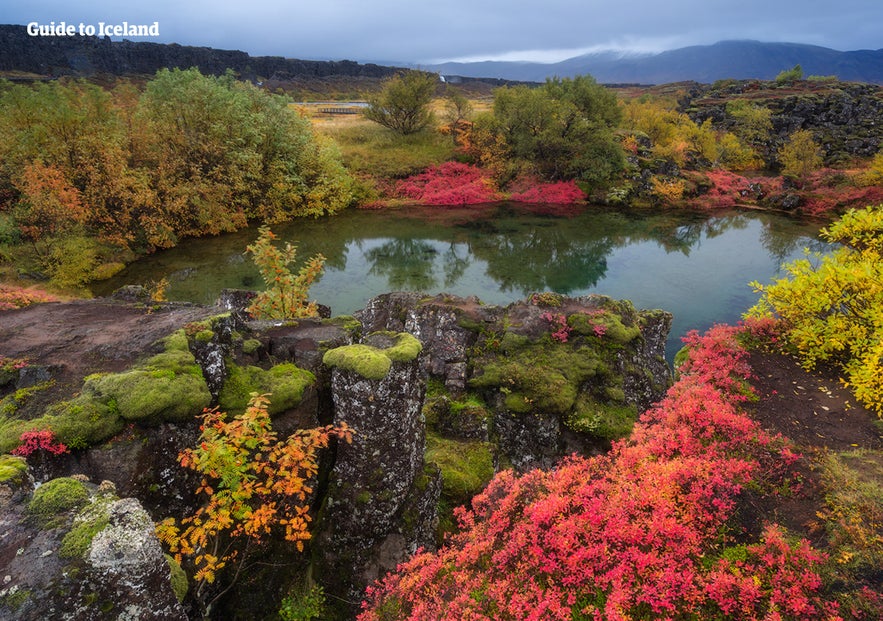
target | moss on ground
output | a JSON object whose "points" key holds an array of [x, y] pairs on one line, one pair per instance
{"points": [[12, 469], [168, 387], [370, 362], [286, 383], [56, 497]]}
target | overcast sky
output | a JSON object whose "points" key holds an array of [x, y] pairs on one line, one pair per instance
{"points": [[415, 31]]}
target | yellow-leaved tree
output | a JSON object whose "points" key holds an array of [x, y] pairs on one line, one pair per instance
{"points": [[831, 305], [254, 484]]}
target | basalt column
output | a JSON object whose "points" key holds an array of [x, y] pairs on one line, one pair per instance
{"points": [[381, 501]]}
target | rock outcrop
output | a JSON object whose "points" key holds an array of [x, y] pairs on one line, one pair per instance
{"points": [[73, 550], [381, 502], [440, 391], [511, 358]]}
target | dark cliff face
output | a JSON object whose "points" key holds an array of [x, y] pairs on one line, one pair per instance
{"points": [[86, 56]]}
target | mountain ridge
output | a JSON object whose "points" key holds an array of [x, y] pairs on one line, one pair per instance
{"points": [[739, 59], [736, 59]]}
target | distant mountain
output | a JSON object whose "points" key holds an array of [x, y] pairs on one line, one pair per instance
{"points": [[701, 63]]}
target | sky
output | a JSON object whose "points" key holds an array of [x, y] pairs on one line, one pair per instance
{"points": [[415, 31]]}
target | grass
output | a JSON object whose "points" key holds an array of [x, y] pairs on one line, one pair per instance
{"points": [[370, 149], [854, 514]]}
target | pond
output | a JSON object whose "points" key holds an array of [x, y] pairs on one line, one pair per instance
{"points": [[695, 265]]}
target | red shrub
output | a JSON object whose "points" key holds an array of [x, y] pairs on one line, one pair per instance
{"points": [[633, 534], [561, 193], [451, 183], [43, 440], [17, 297]]}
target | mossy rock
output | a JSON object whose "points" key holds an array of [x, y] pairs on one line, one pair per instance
{"points": [[603, 420], [180, 585], [540, 376], [610, 325], [13, 470], [250, 346], [372, 362], [58, 496], [166, 387], [83, 421], [285, 382], [91, 520], [466, 466]]}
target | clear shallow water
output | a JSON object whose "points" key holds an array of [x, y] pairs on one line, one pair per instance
{"points": [[695, 265]]}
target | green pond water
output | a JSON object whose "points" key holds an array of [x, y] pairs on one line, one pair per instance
{"points": [[695, 265]]}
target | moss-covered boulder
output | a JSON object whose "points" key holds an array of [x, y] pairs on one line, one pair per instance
{"points": [[168, 387], [56, 497], [286, 383], [80, 552], [371, 361]]}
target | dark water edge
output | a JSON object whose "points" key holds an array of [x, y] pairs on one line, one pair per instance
{"points": [[694, 264]]}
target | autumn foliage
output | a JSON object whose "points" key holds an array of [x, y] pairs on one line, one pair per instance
{"points": [[39, 440], [644, 532], [17, 297], [286, 294], [253, 483], [451, 183], [131, 170]]}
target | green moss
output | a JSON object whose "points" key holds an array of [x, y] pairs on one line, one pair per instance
{"points": [[12, 469], [166, 387], [609, 323], [466, 466], [78, 540], [9, 405], [405, 349], [180, 584], [250, 346], [369, 362], [604, 420], [204, 336], [11, 430], [176, 341], [57, 496], [540, 375], [286, 383], [349, 323], [16, 598], [83, 421]]}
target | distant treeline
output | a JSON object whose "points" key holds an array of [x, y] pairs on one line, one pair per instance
{"points": [[85, 56]]}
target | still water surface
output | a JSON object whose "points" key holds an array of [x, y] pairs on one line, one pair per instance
{"points": [[695, 265]]}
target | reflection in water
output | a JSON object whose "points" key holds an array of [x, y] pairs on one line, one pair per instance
{"points": [[693, 264], [406, 263]]}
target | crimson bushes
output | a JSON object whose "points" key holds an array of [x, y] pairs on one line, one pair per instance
{"points": [[644, 532]]}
